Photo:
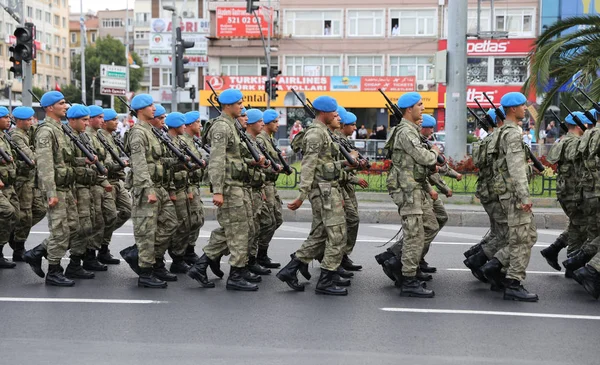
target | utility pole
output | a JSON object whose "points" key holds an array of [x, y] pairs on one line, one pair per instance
{"points": [[27, 75], [126, 48], [456, 98], [174, 59], [82, 49]]}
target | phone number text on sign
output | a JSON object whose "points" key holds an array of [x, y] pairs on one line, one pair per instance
{"points": [[235, 22]]}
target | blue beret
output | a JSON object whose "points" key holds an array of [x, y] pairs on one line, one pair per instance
{"points": [[109, 114], [244, 111], [594, 113], [492, 113], [230, 96], [513, 99], [409, 99], [570, 120], [270, 115], [254, 115], [350, 118], [3, 111], [428, 121], [175, 120], [342, 113], [583, 118], [78, 111], [191, 117], [95, 110], [51, 98], [160, 110], [325, 104], [141, 101], [23, 112]]}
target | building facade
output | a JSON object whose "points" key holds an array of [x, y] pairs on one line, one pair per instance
{"points": [[117, 24]]}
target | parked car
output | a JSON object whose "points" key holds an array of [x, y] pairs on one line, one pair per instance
{"points": [[439, 139]]}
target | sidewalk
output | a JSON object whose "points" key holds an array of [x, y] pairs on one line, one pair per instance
{"points": [[379, 208]]}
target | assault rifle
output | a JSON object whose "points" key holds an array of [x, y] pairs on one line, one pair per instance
{"points": [[575, 118], [562, 125], [16, 148], [595, 105], [586, 112]]}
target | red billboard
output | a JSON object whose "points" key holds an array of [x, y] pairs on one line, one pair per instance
{"points": [[495, 47], [234, 22], [388, 83], [257, 83]]}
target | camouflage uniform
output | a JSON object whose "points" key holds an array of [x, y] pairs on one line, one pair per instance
{"points": [[32, 201], [121, 196], [347, 182], [589, 148], [153, 224], [9, 202], [54, 157], [408, 186], [256, 190], [227, 171], [319, 182], [511, 184], [270, 216]]}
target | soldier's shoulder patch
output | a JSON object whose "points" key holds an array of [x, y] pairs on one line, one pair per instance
{"points": [[313, 146], [136, 146], [218, 136], [416, 141]]}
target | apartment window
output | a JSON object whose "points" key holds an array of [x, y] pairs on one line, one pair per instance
{"points": [[413, 22], [64, 3], [419, 66], [56, 41], [56, 21], [73, 37], [165, 77], [365, 65], [48, 17], [94, 37], [365, 23], [245, 66], [64, 22], [1, 50], [141, 35], [64, 42], [29, 12], [48, 81], [1, 28], [313, 23], [9, 28], [484, 22], [64, 62], [518, 22], [48, 59], [112, 23], [56, 61], [313, 65], [38, 14], [49, 39]]}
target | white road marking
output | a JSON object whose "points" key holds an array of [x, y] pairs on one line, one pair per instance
{"points": [[491, 313], [79, 300], [442, 233], [528, 272]]}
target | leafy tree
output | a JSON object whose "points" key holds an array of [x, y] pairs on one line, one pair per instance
{"points": [[105, 51], [72, 93], [556, 58]]}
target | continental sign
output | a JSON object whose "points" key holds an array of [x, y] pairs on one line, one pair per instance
{"points": [[364, 99]]}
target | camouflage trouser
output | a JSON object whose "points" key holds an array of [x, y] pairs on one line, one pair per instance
{"points": [[232, 235], [498, 237], [595, 262], [522, 235], [63, 224], [153, 224], [270, 217], [9, 206], [257, 195], [196, 216], [327, 235], [105, 214], [32, 210], [576, 232], [352, 218], [591, 210], [122, 200], [87, 215], [190, 214]]}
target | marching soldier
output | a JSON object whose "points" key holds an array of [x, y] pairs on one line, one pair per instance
{"points": [[320, 173], [116, 178], [55, 158], [153, 213], [31, 199], [9, 201]]}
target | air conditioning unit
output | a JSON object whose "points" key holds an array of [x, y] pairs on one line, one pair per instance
{"points": [[188, 14], [421, 86]]}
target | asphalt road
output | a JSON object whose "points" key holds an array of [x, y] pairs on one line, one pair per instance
{"points": [[111, 320]]}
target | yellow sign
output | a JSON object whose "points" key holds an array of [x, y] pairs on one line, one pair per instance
{"points": [[362, 99]]}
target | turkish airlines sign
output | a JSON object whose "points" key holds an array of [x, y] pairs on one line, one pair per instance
{"points": [[495, 47]]}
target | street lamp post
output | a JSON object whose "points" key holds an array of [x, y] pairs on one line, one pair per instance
{"points": [[173, 11]]}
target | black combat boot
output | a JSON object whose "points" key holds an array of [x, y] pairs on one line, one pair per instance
{"points": [[198, 272], [349, 265], [327, 285], [590, 280], [551, 252], [18, 251], [179, 266], [249, 276], [75, 271], [236, 280], [4, 263], [160, 271], [256, 268], [340, 280], [577, 261], [34, 258], [411, 287], [473, 250], [424, 266], [381, 259], [422, 276], [289, 274], [91, 263], [148, 280], [56, 277], [215, 267], [513, 290], [303, 268], [264, 260], [492, 271], [394, 266], [131, 256], [343, 273], [474, 263], [104, 256], [190, 257]]}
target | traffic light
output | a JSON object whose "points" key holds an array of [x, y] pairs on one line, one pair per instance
{"points": [[273, 89], [192, 92], [181, 72], [24, 50], [250, 7], [17, 67]]}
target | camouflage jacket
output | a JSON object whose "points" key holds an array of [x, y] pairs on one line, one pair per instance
{"points": [[103, 155], [146, 153], [264, 139], [115, 171], [22, 139], [226, 165], [565, 153], [8, 169], [196, 176], [589, 148]]}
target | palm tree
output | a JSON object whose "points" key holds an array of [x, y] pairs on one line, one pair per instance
{"points": [[559, 58]]}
